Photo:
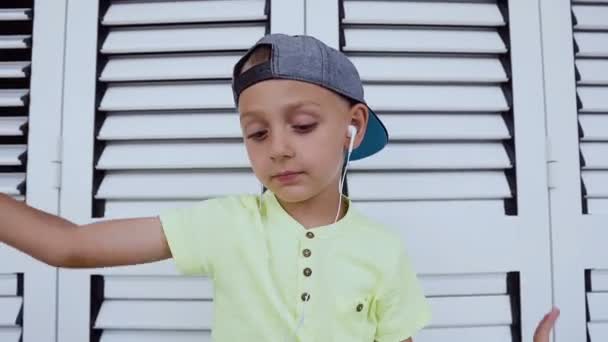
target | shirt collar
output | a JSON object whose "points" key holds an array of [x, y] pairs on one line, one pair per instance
{"points": [[273, 205]]}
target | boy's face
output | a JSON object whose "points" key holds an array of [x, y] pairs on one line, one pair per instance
{"points": [[293, 126]]}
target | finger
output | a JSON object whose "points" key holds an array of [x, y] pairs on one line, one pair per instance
{"points": [[546, 324]]}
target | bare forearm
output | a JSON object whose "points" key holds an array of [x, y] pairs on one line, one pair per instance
{"points": [[34, 232]]}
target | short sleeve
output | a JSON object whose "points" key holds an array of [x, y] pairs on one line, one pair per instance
{"points": [[197, 234], [402, 309]]}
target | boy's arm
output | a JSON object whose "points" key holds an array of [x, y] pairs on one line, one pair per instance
{"points": [[59, 242]]}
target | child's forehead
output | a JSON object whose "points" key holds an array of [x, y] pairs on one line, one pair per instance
{"points": [[288, 108]]}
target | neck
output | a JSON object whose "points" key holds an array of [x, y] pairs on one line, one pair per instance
{"points": [[317, 211]]}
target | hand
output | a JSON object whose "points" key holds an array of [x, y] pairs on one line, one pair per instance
{"points": [[543, 330]]}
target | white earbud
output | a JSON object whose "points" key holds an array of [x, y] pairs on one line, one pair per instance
{"points": [[352, 133]]}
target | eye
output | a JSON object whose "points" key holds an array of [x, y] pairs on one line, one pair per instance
{"points": [[257, 135], [305, 128]]}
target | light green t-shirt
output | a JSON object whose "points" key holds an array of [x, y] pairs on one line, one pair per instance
{"points": [[351, 280]]}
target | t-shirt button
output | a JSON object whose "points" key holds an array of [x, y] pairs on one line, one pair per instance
{"points": [[307, 272], [306, 253], [359, 307], [310, 235], [305, 297]]}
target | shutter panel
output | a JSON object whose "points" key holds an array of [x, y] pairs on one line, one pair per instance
{"points": [[576, 111], [410, 54], [166, 96], [591, 62], [30, 117], [16, 51], [11, 307], [163, 132], [488, 300], [457, 85], [597, 305]]}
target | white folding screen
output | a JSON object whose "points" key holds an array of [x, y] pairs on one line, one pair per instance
{"points": [[459, 85], [575, 57], [31, 66]]}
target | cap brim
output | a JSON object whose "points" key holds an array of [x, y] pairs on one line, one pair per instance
{"points": [[376, 137]]}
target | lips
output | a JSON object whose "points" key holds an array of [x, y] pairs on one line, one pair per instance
{"points": [[286, 173]]}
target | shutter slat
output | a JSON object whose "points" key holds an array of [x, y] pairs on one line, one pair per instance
{"points": [[10, 181], [185, 155], [438, 156], [482, 311], [470, 334], [9, 154], [430, 69], [155, 336], [428, 185], [13, 69], [129, 209], [10, 308], [10, 334], [8, 285], [155, 287], [596, 155], [449, 126], [424, 98], [464, 285], [14, 14], [155, 314], [172, 155], [168, 67], [591, 17], [181, 38], [591, 44], [596, 183], [595, 127], [170, 125], [592, 71], [12, 97], [598, 331], [430, 208], [15, 42], [11, 126], [422, 13], [163, 96], [598, 306], [423, 40], [593, 99], [161, 12], [599, 280], [175, 185]]}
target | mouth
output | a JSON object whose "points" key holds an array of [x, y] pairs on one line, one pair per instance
{"points": [[287, 176]]}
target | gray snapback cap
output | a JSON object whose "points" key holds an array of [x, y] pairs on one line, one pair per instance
{"points": [[307, 59]]}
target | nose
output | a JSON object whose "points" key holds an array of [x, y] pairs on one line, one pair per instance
{"points": [[280, 145]]}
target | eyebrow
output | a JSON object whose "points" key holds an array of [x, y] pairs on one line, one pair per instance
{"points": [[289, 107]]}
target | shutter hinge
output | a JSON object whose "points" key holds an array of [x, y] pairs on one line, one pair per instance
{"points": [[56, 160], [551, 164]]}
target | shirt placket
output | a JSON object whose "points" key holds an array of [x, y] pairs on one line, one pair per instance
{"points": [[306, 277]]}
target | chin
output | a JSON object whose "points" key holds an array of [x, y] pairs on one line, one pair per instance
{"points": [[292, 194]]}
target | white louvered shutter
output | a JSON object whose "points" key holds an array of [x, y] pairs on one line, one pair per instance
{"points": [[15, 57], [150, 124], [31, 59], [575, 42], [458, 85], [15, 48]]}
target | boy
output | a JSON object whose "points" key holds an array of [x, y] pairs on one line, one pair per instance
{"points": [[297, 263]]}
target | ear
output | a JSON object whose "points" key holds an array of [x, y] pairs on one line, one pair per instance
{"points": [[359, 115]]}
